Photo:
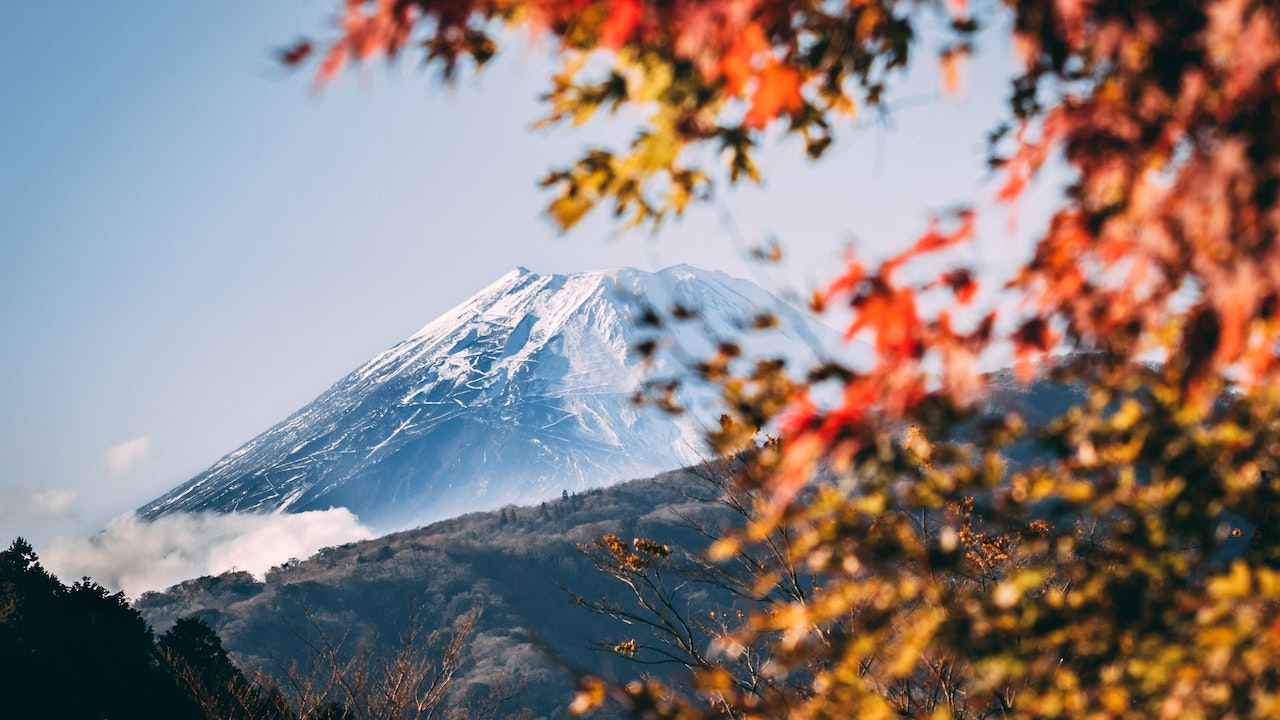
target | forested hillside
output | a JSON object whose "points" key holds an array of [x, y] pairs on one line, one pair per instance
{"points": [[553, 605], [519, 566], [496, 614]]}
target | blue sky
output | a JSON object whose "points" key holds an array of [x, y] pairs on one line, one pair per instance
{"points": [[193, 245]]}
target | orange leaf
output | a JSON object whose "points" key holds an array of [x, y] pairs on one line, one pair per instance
{"points": [[952, 62], [891, 315], [1259, 356], [777, 91], [931, 241], [794, 472], [853, 276], [1014, 185], [735, 66], [329, 67], [961, 282], [935, 240], [799, 415], [624, 16]]}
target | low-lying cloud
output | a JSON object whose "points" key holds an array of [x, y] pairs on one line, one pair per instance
{"points": [[137, 555], [36, 502]]}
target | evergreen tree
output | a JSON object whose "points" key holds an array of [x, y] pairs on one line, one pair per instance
{"points": [[203, 669], [76, 652]]}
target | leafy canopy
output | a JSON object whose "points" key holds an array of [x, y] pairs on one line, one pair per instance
{"points": [[1128, 566], [702, 74]]}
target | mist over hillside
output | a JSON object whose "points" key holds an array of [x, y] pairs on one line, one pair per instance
{"points": [[519, 564]]}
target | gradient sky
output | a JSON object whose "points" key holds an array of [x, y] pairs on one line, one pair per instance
{"points": [[193, 245]]}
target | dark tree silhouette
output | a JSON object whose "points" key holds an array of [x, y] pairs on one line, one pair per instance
{"points": [[201, 666], [78, 651]]}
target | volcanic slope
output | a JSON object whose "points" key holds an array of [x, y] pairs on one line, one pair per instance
{"points": [[516, 395]]}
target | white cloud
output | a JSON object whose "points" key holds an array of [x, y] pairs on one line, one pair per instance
{"points": [[26, 502], [51, 502], [124, 457], [137, 555]]}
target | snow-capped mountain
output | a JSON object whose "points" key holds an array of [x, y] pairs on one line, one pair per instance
{"points": [[520, 393]]}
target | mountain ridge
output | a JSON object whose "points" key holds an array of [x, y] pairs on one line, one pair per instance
{"points": [[515, 395], [525, 565]]}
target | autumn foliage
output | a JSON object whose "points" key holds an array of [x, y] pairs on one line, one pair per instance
{"points": [[1127, 568]]}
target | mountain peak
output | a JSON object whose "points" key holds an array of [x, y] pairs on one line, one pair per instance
{"points": [[513, 396]]}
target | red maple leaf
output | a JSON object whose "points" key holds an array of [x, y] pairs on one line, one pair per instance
{"points": [[735, 66], [777, 91], [624, 16]]}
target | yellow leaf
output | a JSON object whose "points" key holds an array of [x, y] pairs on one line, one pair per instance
{"points": [[1237, 583], [591, 695]]}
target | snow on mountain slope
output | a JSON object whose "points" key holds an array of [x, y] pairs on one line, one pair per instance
{"points": [[519, 393]]}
